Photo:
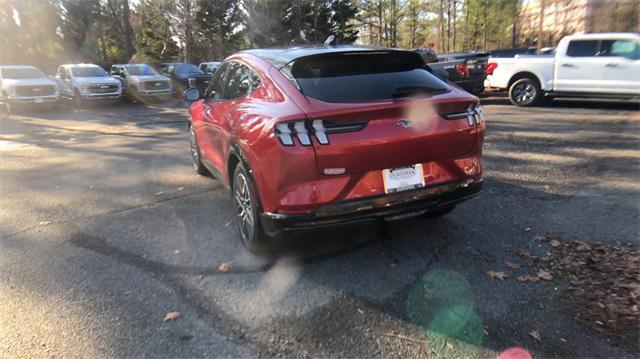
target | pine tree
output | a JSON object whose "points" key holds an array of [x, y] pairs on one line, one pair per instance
{"points": [[154, 43]]}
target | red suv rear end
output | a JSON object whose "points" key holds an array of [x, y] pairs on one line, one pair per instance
{"points": [[327, 136]]}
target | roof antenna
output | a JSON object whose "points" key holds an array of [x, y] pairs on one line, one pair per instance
{"points": [[330, 41]]}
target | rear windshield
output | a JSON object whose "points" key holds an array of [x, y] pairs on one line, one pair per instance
{"points": [[22, 73], [363, 76]]}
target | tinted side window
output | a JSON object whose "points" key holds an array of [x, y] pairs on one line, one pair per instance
{"points": [[239, 81], [582, 48], [218, 80], [622, 48]]}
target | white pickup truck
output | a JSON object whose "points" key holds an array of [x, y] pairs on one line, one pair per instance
{"points": [[598, 65], [25, 85], [87, 82]]}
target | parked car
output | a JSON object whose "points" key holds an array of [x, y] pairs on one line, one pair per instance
{"points": [[209, 67], [142, 82], [317, 137], [466, 70], [598, 65], [86, 82], [26, 85], [185, 76]]}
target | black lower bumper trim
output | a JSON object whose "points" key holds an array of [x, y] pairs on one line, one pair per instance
{"points": [[398, 205]]}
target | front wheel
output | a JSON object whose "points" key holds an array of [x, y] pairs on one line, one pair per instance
{"points": [[525, 92], [77, 99], [246, 204], [6, 105]]}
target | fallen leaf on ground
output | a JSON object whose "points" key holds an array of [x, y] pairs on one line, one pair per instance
{"points": [[180, 188], [172, 316], [583, 247], [45, 223], [512, 265], [360, 311], [160, 193], [535, 335], [543, 274], [497, 275], [555, 243], [224, 267], [526, 278], [523, 253]]}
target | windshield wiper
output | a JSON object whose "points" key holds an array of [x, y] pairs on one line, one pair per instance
{"points": [[409, 90]]}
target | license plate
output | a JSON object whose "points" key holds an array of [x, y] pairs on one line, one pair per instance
{"points": [[39, 100], [403, 178]]}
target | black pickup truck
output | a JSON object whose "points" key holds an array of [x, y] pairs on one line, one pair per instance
{"points": [[185, 76], [465, 69]]}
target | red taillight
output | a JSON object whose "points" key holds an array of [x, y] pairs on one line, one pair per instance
{"points": [[462, 69], [303, 130], [490, 67]]}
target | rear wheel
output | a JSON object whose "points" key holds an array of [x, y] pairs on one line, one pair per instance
{"points": [[525, 92], [195, 154], [246, 204], [440, 212]]}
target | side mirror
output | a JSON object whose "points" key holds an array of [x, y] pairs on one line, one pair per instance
{"points": [[192, 94]]}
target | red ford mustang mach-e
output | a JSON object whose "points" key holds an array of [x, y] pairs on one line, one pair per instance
{"points": [[312, 137]]}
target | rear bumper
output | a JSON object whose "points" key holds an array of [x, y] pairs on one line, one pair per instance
{"points": [[471, 85], [389, 207]]}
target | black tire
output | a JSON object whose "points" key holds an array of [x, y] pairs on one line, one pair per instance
{"points": [[525, 92], [440, 212], [195, 154], [247, 208], [6, 105], [77, 99]]}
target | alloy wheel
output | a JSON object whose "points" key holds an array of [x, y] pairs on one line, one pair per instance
{"points": [[524, 93], [244, 206]]}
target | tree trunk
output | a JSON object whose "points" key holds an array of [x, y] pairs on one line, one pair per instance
{"points": [[455, 10], [484, 25], [188, 32], [541, 25], [465, 42], [128, 32]]}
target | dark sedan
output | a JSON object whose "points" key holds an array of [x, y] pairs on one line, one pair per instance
{"points": [[185, 76]]}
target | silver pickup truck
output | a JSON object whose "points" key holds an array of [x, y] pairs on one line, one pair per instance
{"points": [[25, 85], [141, 82], [87, 82]]}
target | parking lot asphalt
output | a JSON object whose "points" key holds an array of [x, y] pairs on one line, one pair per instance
{"points": [[105, 228]]}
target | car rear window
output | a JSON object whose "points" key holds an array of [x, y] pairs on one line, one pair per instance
{"points": [[362, 76]]}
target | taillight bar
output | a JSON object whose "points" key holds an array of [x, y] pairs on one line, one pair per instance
{"points": [[473, 115], [303, 130]]}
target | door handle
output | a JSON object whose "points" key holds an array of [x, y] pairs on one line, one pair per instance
{"points": [[567, 65], [611, 65]]}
